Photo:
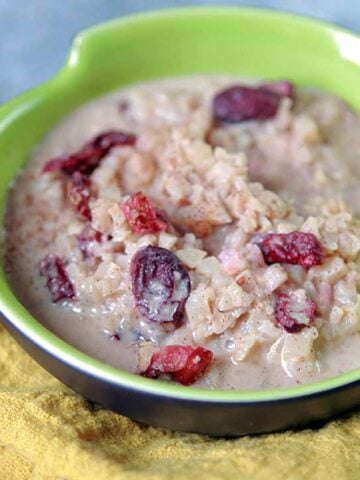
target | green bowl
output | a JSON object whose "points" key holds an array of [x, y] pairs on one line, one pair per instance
{"points": [[253, 43]]}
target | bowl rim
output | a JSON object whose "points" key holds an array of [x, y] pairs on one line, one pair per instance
{"points": [[33, 330]]}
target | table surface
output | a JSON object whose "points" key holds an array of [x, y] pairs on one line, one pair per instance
{"points": [[35, 36]]}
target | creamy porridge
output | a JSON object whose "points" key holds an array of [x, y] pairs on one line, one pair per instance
{"points": [[201, 230]]}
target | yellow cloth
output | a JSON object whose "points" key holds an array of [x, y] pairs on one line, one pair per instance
{"points": [[49, 432]]}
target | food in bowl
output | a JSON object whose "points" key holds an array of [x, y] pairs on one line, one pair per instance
{"points": [[202, 230]]}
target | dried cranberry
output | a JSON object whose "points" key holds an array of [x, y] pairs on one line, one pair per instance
{"points": [[58, 282], [88, 157], [142, 215], [184, 363], [79, 194], [86, 239], [240, 103], [160, 284], [282, 88], [54, 164], [294, 312], [295, 248]]}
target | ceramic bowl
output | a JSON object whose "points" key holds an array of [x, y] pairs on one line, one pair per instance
{"points": [[252, 43]]}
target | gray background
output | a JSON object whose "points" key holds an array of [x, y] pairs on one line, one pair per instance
{"points": [[35, 35]]}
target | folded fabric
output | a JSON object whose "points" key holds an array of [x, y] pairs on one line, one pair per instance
{"points": [[49, 432]]}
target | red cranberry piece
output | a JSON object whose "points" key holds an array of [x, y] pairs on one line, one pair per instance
{"points": [[58, 282], [282, 88], [142, 215], [295, 248], [86, 240], [239, 103], [294, 312], [54, 164], [160, 284], [184, 363], [78, 194], [88, 157], [114, 138]]}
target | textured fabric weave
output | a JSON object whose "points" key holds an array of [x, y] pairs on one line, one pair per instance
{"points": [[47, 432]]}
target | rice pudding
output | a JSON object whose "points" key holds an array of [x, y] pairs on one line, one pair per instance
{"points": [[203, 230]]}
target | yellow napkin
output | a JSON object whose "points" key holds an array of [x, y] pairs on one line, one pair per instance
{"points": [[49, 432]]}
